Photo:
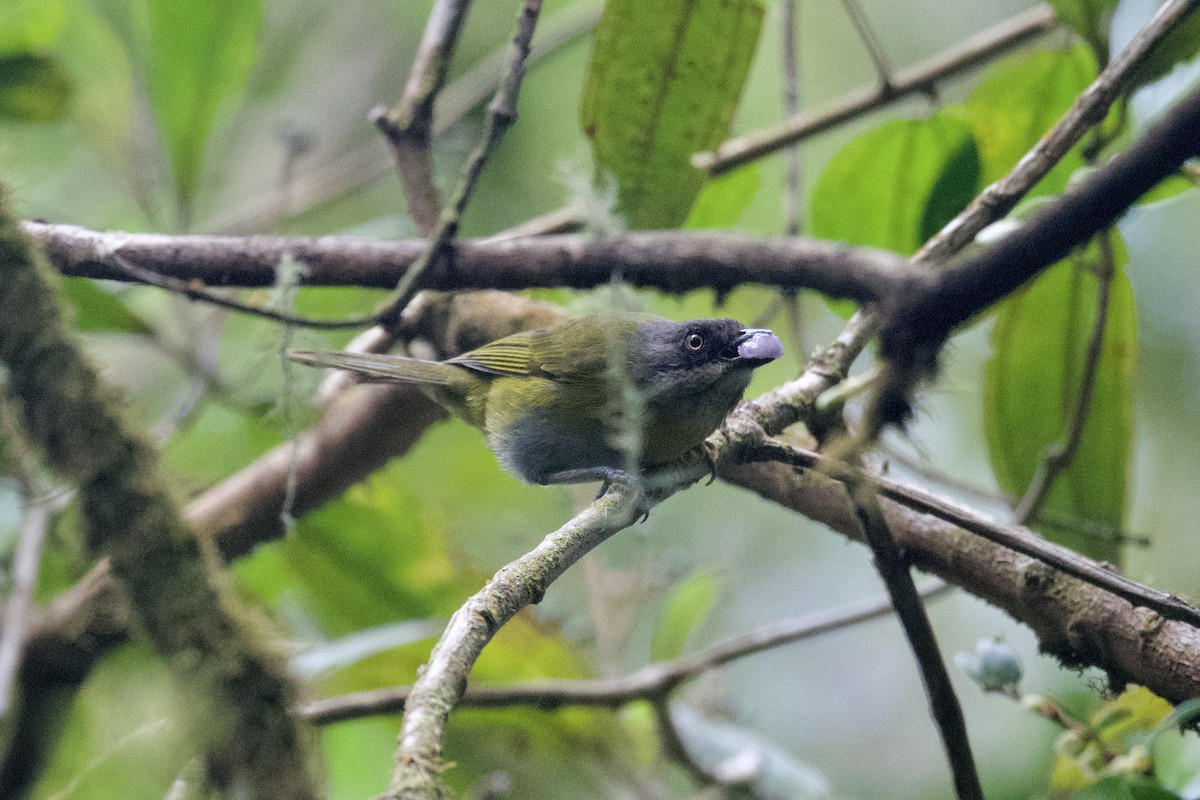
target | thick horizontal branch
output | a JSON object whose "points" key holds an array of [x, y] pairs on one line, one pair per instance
{"points": [[670, 261]]}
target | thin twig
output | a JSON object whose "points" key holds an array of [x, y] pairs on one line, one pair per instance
{"points": [[1084, 527], [365, 165], [919, 78], [1088, 111], [1060, 455], [1017, 539], [867, 35], [502, 115], [793, 175], [196, 291], [943, 702], [36, 524], [674, 746], [440, 685], [653, 680], [409, 125]]}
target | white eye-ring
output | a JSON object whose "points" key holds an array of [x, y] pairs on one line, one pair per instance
{"points": [[694, 341]]}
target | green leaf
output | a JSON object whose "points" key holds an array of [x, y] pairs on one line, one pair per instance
{"points": [[33, 88], [725, 198], [1090, 19], [200, 53], [664, 82], [1181, 44], [97, 310], [1030, 382], [1125, 787], [893, 184], [1021, 100], [30, 25], [686, 608], [1168, 188]]}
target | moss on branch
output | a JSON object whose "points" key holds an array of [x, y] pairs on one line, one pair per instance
{"points": [[238, 693]]}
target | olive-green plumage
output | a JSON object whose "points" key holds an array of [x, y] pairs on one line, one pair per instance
{"points": [[591, 398]]}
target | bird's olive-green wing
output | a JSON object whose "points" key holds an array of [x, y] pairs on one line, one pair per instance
{"points": [[576, 349]]}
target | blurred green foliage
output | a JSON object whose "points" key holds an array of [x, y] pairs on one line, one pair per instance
{"points": [[158, 115]]}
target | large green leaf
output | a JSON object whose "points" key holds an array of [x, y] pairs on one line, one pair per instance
{"points": [[1020, 101], [33, 88], [664, 82], [1030, 384], [895, 184], [200, 53]]}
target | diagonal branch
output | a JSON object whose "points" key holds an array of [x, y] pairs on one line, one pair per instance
{"points": [[943, 702], [502, 115], [917, 79], [654, 680], [408, 126], [919, 322]]}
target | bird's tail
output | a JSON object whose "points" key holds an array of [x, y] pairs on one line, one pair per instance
{"points": [[382, 368]]}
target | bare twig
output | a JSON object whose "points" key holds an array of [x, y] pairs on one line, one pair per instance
{"points": [[16, 605], [650, 681], [919, 78], [409, 125], [943, 702], [1014, 538], [1084, 527], [1088, 110], [365, 165], [867, 34], [502, 114], [1060, 455], [197, 292], [793, 175]]}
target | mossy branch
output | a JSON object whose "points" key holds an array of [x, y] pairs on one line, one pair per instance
{"points": [[239, 694]]}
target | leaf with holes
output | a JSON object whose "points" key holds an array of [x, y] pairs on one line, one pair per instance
{"points": [[664, 82]]}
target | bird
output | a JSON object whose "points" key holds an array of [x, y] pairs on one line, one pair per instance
{"points": [[604, 397]]}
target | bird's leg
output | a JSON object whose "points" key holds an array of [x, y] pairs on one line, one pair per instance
{"points": [[607, 475]]}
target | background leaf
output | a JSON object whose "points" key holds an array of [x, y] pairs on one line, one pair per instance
{"points": [[33, 88], [1030, 383], [1022, 99], [30, 25], [687, 607], [97, 310], [199, 54], [890, 186], [664, 82], [1090, 19]]}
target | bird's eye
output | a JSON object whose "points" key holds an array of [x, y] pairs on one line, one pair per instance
{"points": [[694, 341]]}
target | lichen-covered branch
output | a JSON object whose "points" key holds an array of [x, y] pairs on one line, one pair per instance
{"points": [[672, 261], [238, 691]]}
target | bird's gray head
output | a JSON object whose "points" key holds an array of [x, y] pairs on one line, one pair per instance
{"points": [[675, 358]]}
